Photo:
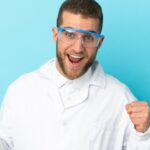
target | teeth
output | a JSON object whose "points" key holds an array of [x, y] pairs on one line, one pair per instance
{"points": [[75, 56]]}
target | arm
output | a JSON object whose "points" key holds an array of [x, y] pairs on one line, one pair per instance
{"points": [[138, 133], [139, 113], [3, 145], [6, 142]]}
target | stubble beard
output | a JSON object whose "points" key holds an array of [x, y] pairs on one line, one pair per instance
{"points": [[72, 74]]}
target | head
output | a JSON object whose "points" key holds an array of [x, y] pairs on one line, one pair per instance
{"points": [[86, 8], [84, 17]]}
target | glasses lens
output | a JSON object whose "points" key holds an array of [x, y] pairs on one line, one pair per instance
{"points": [[70, 37], [90, 40]]}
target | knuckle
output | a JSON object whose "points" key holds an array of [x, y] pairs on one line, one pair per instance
{"points": [[145, 114], [147, 109], [144, 102], [144, 120]]}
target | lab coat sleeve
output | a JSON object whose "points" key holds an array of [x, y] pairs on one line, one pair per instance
{"points": [[6, 122], [135, 140], [4, 145]]}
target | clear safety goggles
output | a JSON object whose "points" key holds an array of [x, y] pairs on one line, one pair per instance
{"points": [[71, 35]]}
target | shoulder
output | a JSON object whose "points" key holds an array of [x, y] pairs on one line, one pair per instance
{"points": [[100, 78], [113, 82], [34, 79], [119, 89], [112, 86]]}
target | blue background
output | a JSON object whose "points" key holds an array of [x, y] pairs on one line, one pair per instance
{"points": [[26, 40]]}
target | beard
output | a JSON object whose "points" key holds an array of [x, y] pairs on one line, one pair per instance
{"points": [[73, 73]]}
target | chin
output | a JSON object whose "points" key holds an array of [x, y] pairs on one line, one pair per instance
{"points": [[74, 75]]}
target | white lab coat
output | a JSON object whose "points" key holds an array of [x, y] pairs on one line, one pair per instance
{"points": [[45, 111]]}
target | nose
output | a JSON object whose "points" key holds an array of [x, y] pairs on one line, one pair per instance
{"points": [[78, 46]]}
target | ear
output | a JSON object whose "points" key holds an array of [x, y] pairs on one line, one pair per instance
{"points": [[55, 34], [101, 41]]}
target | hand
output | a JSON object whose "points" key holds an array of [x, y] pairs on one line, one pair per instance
{"points": [[139, 113]]}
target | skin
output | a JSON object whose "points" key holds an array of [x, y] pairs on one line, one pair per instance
{"points": [[65, 51], [139, 112]]}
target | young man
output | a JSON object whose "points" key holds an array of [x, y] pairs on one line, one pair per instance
{"points": [[70, 103]]}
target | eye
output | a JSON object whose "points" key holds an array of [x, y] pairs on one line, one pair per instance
{"points": [[69, 35], [88, 37]]}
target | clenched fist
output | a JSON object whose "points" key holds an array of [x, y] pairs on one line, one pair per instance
{"points": [[139, 113]]}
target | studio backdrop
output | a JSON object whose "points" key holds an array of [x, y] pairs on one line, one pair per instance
{"points": [[26, 40]]}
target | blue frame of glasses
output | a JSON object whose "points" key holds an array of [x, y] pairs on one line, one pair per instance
{"points": [[80, 30]]}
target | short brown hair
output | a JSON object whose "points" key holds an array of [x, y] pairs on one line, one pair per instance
{"points": [[87, 8]]}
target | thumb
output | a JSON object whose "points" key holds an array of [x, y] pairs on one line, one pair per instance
{"points": [[129, 108]]}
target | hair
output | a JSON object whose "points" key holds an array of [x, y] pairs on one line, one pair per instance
{"points": [[87, 8]]}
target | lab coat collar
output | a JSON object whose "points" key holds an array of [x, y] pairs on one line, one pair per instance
{"points": [[94, 76]]}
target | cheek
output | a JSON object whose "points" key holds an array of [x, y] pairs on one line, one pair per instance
{"points": [[91, 52], [62, 48]]}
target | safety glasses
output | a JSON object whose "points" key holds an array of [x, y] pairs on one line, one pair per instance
{"points": [[71, 35]]}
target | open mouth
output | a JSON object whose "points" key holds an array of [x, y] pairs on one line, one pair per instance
{"points": [[75, 59]]}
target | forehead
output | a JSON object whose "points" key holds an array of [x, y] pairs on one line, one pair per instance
{"points": [[72, 20]]}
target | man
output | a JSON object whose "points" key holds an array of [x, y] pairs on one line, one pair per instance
{"points": [[70, 103]]}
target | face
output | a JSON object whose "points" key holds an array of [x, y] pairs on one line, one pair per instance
{"points": [[75, 59]]}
